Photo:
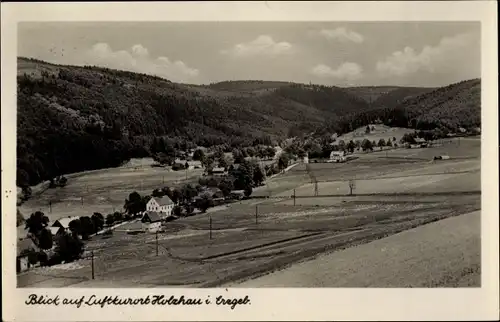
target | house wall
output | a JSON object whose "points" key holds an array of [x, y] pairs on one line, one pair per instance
{"points": [[152, 227], [22, 264], [152, 205]]}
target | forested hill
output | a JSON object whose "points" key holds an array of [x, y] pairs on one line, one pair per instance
{"points": [[386, 96], [73, 119], [81, 118], [446, 108]]}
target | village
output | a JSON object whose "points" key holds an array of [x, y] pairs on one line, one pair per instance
{"points": [[226, 178]]}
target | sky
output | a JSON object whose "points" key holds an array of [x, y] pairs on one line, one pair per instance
{"points": [[329, 53]]}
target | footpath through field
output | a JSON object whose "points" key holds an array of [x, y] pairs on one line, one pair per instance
{"points": [[441, 254]]}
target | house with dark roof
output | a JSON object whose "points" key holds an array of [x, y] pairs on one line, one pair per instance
{"points": [[151, 221], [164, 206], [63, 223]]}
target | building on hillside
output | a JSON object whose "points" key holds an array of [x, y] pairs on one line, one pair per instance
{"points": [[63, 224], [234, 170], [25, 247], [163, 205], [151, 221], [218, 172], [237, 194], [337, 156], [421, 142], [56, 230]]}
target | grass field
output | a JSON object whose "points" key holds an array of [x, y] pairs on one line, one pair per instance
{"points": [[104, 190], [442, 254], [257, 236]]}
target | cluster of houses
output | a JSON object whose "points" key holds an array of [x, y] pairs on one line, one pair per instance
{"points": [[26, 245]]}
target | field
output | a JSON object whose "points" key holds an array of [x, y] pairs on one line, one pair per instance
{"points": [[104, 190], [380, 132], [257, 236], [411, 258]]}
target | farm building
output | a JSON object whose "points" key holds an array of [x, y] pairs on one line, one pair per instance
{"points": [[237, 194], [218, 172], [63, 223], [56, 230], [337, 156], [25, 247], [163, 205], [421, 142], [151, 221]]}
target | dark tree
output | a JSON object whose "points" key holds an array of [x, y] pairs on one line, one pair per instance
{"points": [[45, 239], [198, 155], [367, 145], [177, 211], [248, 191], [36, 222], [176, 195], [351, 146], [258, 175], [134, 204], [75, 226], [69, 247], [87, 227], [226, 186], [204, 202], [283, 161], [97, 221], [110, 219]]}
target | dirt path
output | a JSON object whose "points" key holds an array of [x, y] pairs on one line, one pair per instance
{"points": [[442, 254]]}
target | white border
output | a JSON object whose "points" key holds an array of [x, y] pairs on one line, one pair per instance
{"points": [[267, 304]]}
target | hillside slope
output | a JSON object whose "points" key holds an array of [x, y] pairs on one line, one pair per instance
{"points": [[82, 118], [386, 96], [447, 108]]}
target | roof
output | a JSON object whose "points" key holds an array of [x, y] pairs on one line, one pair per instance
{"points": [[238, 191], [64, 222], [218, 170], [54, 230], [420, 140], [24, 244], [337, 153], [163, 201], [151, 216]]}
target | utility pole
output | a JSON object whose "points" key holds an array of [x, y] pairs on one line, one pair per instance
{"points": [[294, 196], [210, 223], [163, 180], [82, 200], [50, 206], [256, 214], [92, 258], [157, 243]]}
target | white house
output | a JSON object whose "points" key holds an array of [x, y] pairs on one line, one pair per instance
{"points": [[164, 206], [337, 156], [151, 221], [218, 172]]}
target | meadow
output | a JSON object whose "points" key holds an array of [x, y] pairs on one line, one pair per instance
{"points": [[255, 237]]}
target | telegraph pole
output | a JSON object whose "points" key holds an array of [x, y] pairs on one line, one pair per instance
{"points": [[157, 243], [50, 206], [82, 200], [210, 223], [256, 214], [92, 258], [294, 196]]}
